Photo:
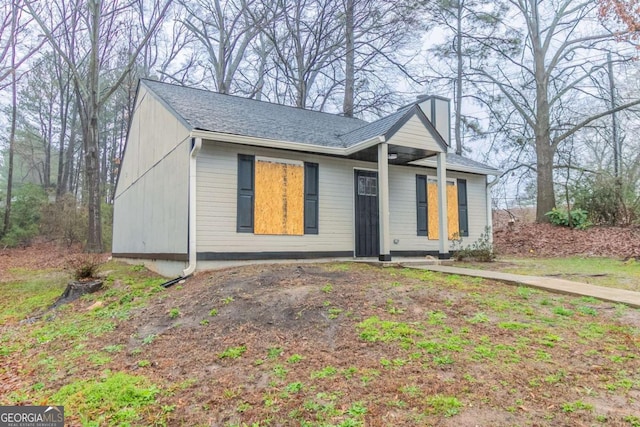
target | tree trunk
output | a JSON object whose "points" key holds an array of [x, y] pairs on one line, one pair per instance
{"points": [[47, 148], [546, 199], [545, 150], [458, 92], [92, 183], [349, 70], [14, 112], [91, 135], [67, 175], [63, 131]]}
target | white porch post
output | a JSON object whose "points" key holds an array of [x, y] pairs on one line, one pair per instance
{"points": [[443, 232], [383, 201]]}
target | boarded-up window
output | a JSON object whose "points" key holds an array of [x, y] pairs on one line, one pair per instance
{"points": [[432, 220], [279, 197]]}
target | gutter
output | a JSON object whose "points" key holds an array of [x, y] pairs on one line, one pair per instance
{"points": [[489, 228], [286, 145], [195, 149]]}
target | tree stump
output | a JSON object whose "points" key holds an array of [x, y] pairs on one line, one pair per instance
{"points": [[75, 290]]}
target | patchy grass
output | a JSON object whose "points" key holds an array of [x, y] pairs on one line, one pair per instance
{"points": [[113, 399], [30, 292], [608, 272], [393, 346]]}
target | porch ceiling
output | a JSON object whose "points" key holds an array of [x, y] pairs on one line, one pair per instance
{"points": [[404, 154]]}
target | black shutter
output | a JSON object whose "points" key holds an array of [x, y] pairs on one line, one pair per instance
{"points": [[244, 213], [421, 204], [311, 193], [463, 216]]}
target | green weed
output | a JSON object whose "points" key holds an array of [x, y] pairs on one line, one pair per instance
{"points": [[274, 352], [233, 352], [444, 405], [576, 406], [478, 318], [327, 372], [375, 330], [295, 358]]}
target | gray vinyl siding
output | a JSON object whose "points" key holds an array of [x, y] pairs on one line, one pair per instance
{"points": [[402, 199], [217, 199], [151, 202]]}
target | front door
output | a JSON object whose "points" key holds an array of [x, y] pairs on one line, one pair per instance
{"points": [[367, 223]]}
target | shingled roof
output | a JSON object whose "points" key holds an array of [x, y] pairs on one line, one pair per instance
{"points": [[214, 112]]}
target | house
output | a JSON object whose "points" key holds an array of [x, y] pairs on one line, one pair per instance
{"points": [[208, 177]]}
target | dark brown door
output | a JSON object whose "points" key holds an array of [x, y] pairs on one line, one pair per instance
{"points": [[367, 222]]}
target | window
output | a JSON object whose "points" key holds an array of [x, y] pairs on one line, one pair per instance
{"points": [[368, 186], [277, 196], [427, 207]]}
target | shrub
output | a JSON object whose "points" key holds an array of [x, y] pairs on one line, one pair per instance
{"points": [[576, 218], [107, 226], [25, 215], [480, 250], [85, 266], [608, 201], [65, 221]]}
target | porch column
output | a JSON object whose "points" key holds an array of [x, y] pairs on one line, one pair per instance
{"points": [[383, 201], [443, 232]]}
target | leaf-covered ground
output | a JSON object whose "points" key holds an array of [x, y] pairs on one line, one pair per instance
{"points": [[334, 344], [524, 239]]}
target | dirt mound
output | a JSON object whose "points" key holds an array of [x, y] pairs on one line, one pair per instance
{"points": [[546, 240]]}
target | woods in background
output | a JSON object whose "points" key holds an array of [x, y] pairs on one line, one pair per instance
{"points": [[529, 82]]}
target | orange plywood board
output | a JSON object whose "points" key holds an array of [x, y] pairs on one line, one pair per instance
{"points": [[279, 198]]}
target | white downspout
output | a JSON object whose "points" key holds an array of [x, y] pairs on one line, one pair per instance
{"points": [[195, 149], [490, 185]]}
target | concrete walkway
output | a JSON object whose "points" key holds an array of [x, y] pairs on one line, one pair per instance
{"points": [[623, 296]]}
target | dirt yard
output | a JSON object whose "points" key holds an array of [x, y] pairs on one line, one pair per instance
{"points": [[335, 344]]}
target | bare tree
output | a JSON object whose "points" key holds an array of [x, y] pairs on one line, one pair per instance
{"points": [[375, 35], [560, 54], [87, 59], [306, 39], [13, 55], [224, 29]]}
